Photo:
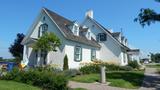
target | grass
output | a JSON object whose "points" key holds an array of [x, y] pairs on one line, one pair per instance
{"points": [[124, 79], [153, 66], [79, 89], [89, 78], [11, 85]]}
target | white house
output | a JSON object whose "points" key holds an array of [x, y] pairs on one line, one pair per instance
{"points": [[80, 42]]}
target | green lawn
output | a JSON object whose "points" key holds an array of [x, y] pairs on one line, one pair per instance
{"points": [[11, 85], [153, 66], [79, 89], [131, 80]]}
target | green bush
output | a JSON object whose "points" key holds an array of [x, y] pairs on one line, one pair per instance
{"points": [[126, 68], [90, 68], [65, 64], [94, 67], [45, 79], [72, 72], [134, 64]]}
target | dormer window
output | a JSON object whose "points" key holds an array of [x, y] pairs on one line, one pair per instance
{"points": [[42, 29], [76, 30], [101, 37], [89, 35]]}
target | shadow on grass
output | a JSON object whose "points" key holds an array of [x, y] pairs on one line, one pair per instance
{"points": [[135, 78]]}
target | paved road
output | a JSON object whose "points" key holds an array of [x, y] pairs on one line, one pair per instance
{"points": [[93, 86], [151, 82]]}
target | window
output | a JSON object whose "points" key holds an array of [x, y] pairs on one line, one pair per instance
{"points": [[42, 29], [93, 54], [75, 30], [43, 56], [88, 35], [44, 18], [78, 53], [102, 37]]}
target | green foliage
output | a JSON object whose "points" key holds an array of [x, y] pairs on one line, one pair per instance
{"points": [[126, 68], [65, 63], [79, 89], [147, 16], [124, 79], [45, 79], [94, 67], [12, 85], [88, 78], [16, 49], [153, 66], [134, 64], [1, 58], [48, 42], [71, 72], [155, 57]]}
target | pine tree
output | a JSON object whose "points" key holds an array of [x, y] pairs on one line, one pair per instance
{"points": [[65, 64]]}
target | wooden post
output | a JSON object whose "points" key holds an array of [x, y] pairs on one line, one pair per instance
{"points": [[103, 75]]}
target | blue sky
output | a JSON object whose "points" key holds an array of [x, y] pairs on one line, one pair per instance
{"points": [[16, 16]]}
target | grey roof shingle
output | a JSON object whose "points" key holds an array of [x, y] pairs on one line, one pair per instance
{"points": [[62, 24], [116, 34], [127, 48]]}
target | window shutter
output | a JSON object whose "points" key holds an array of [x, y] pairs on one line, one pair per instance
{"points": [[39, 31]]}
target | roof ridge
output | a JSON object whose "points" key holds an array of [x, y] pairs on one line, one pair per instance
{"points": [[52, 12]]}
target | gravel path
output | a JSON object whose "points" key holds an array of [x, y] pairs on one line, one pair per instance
{"points": [[151, 82]]}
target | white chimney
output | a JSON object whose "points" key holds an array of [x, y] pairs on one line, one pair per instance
{"points": [[89, 13]]}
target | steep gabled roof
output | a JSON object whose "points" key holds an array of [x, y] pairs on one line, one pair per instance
{"points": [[116, 34], [106, 30], [62, 24]]}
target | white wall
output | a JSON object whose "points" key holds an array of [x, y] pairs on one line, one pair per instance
{"points": [[110, 50], [67, 47], [124, 58], [86, 53], [53, 57]]}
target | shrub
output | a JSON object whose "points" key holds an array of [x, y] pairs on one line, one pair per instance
{"points": [[65, 64], [48, 68], [94, 67], [90, 68], [72, 72], [126, 68], [133, 64], [45, 79]]}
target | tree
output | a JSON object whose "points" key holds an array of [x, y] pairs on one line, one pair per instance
{"points": [[155, 57], [147, 16], [16, 49], [65, 63], [47, 42]]}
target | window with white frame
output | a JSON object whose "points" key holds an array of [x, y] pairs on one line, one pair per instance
{"points": [[75, 30], [78, 53], [42, 29], [93, 54]]}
